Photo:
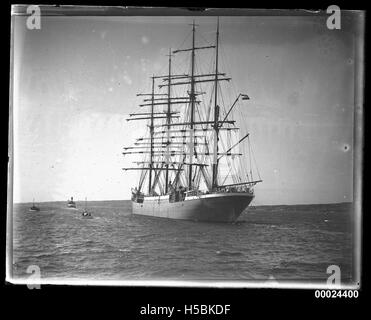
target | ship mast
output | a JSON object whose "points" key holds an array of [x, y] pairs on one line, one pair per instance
{"points": [[151, 127], [192, 98], [164, 144], [168, 120], [216, 115]]}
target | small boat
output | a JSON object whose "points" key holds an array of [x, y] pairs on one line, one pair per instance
{"points": [[86, 213], [34, 208], [71, 203]]}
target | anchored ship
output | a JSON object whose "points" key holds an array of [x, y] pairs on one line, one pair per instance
{"points": [[193, 166]]}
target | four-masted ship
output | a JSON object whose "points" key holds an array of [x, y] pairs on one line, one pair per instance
{"points": [[188, 144]]}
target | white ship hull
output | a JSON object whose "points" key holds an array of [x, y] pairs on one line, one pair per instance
{"points": [[215, 207]]}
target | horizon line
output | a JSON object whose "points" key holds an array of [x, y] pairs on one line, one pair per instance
{"points": [[252, 205]]}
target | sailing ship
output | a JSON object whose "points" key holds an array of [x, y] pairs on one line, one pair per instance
{"points": [[189, 151], [71, 203], [34, 208]]}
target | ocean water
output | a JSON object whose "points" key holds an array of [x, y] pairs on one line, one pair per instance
{"points": [[285, 242]]}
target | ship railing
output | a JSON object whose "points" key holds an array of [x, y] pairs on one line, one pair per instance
{"points": [[236, 189], [195, 193]]}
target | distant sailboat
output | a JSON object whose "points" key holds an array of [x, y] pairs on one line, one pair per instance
{"points": [[71, 203], [34, 208], [86, 213]]}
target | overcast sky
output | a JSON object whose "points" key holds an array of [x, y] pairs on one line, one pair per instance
{"points": [[75, 82]]}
